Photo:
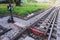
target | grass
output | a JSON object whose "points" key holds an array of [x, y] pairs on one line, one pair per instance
{"points": [[25, 9]]}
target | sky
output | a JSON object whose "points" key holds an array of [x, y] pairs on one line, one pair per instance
{"points": [[58, 0], [46, 0], [43, 0]]}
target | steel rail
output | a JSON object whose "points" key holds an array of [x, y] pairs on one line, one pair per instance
{"points": [[14, 38], [52, 26]]}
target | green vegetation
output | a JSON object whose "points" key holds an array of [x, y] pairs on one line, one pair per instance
{"points": [[24, 9]]}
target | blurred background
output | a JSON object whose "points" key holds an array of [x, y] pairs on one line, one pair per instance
{"points": [[25, 7]]}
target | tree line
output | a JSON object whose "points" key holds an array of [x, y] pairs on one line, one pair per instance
{"points": [[17, 2]]}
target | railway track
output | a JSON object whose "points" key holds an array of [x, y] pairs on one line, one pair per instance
{"points": [[45, 22], [40, 28], [53, 27], [48, 25]]}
